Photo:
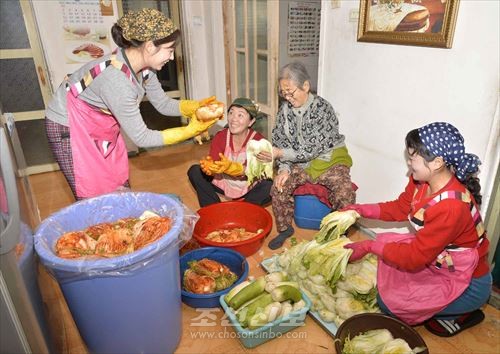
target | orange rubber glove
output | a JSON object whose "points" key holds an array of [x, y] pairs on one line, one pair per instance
{"points": [[224, 165], [207, 101], [206, 164]]}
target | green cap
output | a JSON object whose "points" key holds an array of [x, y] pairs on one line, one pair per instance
{"points": [[250, 106]]}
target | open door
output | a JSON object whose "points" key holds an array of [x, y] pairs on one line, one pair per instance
{"points": [[252, 37], [171, 76], [24, 88]]}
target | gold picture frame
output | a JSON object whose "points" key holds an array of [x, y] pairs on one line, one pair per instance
{"points": [[428, 23]]}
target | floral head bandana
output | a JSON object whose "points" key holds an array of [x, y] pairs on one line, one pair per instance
{"points": [[443, 139], [146, 25]]}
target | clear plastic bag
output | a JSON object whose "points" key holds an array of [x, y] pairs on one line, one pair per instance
{"points": [[109, 208]]}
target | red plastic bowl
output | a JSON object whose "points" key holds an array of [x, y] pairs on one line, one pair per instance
{"points": [[230, 215]]}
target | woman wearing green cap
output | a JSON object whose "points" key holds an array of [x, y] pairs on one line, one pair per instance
{"points": [[84, 118], [223, 172]]}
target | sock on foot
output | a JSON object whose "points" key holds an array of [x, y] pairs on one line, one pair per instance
{"points": [[278, 241]]}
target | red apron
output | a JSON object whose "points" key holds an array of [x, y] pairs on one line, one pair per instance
{"points": [[99, 152], [416, 296], [233, 187]]}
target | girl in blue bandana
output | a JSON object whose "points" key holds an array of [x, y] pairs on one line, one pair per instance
{"points": [[439, 274]]}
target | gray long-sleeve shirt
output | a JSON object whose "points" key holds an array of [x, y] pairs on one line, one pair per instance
{"points": [[114, 91]]}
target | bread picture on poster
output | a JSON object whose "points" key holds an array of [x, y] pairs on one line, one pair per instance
{"points": [[405, 16]]}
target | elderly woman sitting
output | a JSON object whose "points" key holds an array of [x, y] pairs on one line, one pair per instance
{"points": [[308, 148]]}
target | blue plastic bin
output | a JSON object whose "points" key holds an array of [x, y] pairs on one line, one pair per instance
{"points": [[235, 261], [27, 263], [126, 304], [252, 338], [309, 211]]}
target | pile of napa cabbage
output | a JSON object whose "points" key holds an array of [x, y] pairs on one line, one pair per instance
{"points": [[337, 289]]}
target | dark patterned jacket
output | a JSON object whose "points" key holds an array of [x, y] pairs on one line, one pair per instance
{"points": [[306, 133]]}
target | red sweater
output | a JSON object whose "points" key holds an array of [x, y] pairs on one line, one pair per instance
{"points": [[447, 222], [218, 144]]}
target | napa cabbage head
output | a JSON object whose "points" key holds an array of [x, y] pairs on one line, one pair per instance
{"points": [[367, 343], [400, 346], [257, 170], [347, 307], [335, 224]]}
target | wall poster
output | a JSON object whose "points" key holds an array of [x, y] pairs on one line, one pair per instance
{"points": [[74, 32], [303, 28]]}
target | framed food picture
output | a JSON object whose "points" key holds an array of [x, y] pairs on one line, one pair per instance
{"points": [[429, 23]]}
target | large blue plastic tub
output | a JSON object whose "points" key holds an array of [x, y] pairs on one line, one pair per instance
{"points": [[309, 211], [127, 304]]}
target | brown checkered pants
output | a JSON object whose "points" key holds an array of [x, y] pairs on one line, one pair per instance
{"points": [[337, 180]]}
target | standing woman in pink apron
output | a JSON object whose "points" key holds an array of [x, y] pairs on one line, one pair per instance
{"points": [[438, 275], [223, 170], [84, 118]]}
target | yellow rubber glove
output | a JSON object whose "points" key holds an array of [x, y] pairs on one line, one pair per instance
{"points": [[195, 127], [188, 107], [205, 165], [224, 165]]}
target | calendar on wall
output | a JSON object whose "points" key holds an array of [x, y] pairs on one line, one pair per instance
{"points": [[86, 29], [303, 28], [74, 32]]}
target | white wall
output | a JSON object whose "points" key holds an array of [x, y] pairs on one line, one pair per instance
{"points": [[383, 91]]}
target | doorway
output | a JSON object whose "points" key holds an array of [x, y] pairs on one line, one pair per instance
{"points": [[24, 86], [253, 54], [27, 83], [171, 76], [262, 36]]}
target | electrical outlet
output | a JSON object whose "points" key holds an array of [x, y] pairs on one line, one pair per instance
{"points": [[353, 15]]}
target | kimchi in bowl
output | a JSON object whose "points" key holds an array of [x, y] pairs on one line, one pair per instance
{"points": [[230, 216], [231, 259]]}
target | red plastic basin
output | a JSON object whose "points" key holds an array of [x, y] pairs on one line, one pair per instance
{"points": [[229, 215]]}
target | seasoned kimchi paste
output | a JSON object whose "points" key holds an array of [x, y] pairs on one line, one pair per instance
{"points": [[231, 235], [114, 238]]}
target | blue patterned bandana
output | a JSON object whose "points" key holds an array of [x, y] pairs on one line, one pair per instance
{"points": [[443, 139]]}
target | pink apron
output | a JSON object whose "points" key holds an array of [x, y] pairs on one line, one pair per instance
{"points": [[99, 152], [416, 296], [233, 187]]}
